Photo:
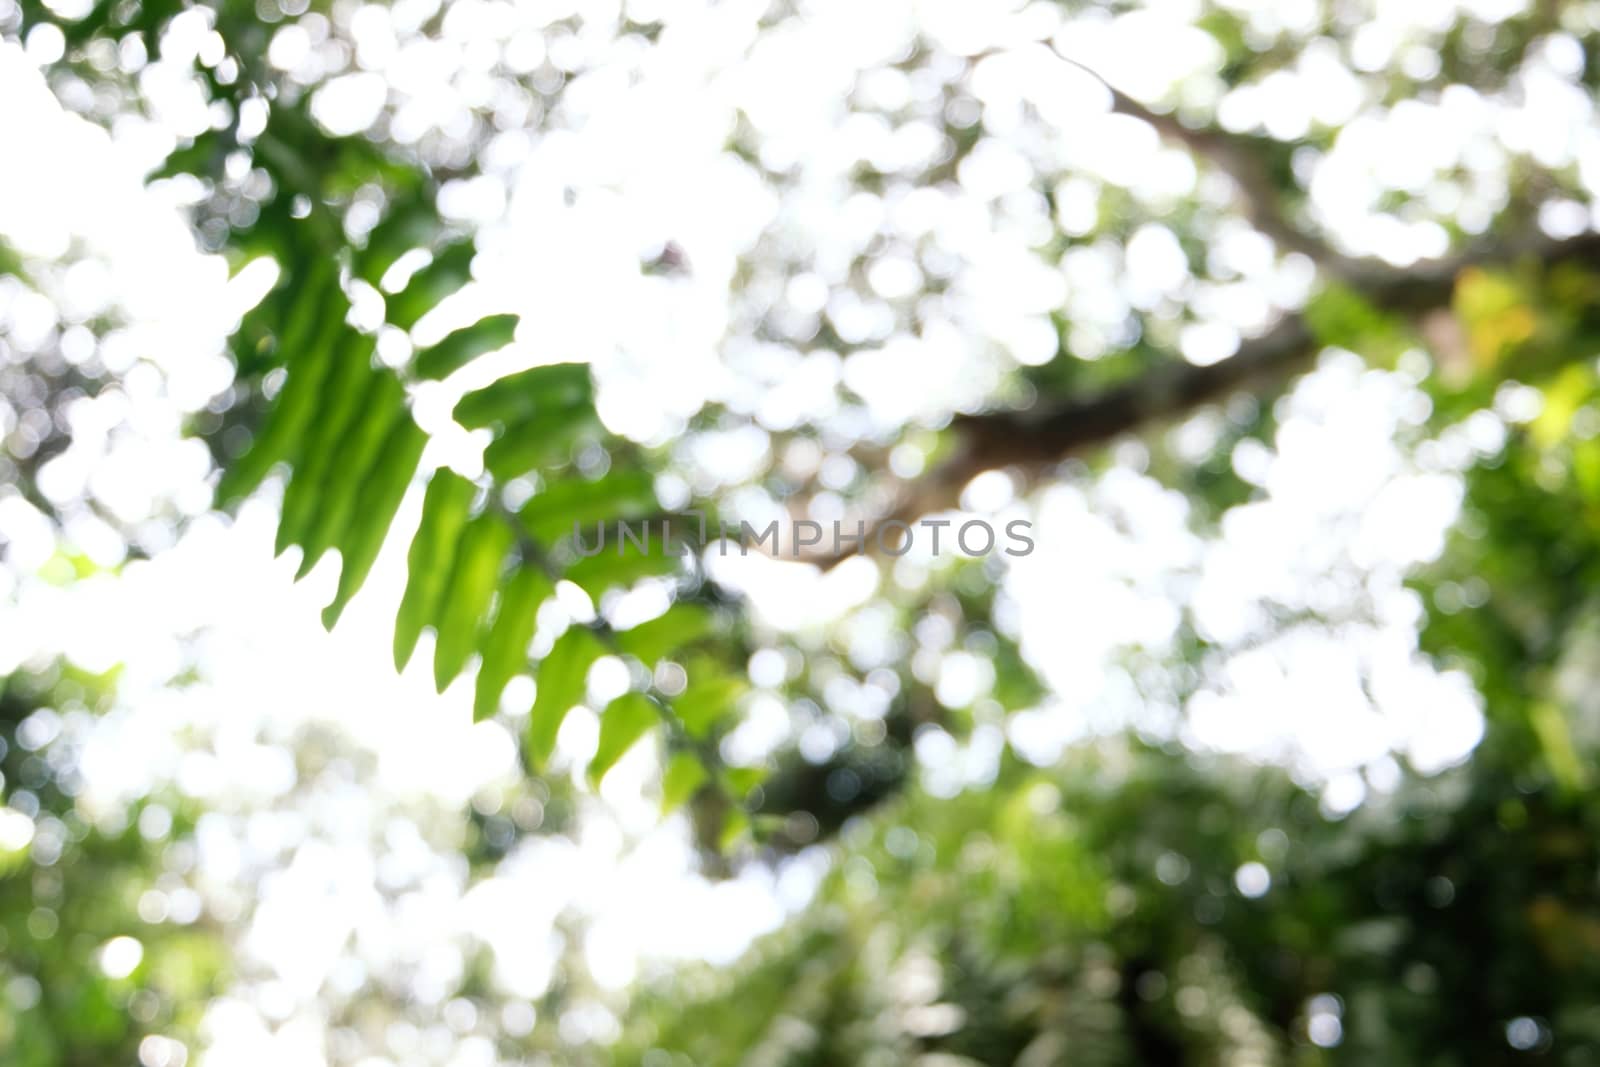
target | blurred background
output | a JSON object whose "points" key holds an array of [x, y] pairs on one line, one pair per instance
{"points": [[1279, 321]]}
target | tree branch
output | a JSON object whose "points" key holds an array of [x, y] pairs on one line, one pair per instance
{"points": [[1033, 439]]}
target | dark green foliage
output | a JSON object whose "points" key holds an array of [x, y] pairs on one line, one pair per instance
{"points": [[73, 886], [1104, 912]]}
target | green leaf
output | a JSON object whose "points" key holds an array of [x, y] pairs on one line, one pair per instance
{"points": [[531, 393], [541, 442], [339, 407], [321, 303], [625, 720], [463, 346], [1340, 316], [679, 626], [739, 781], [711, 693], [465, 604], [735, 826], [444, 514], [562, 679], [450, 270], [353, 461], [610, 567], [408, 227], [505, 647], [1563, 396], [309, 364], [1560, 753], [10, 262], [684, 776], [1498, 315], [553, 513], [381, 494]]}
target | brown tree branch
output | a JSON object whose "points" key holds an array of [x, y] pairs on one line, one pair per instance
{"points": [[1034, 439]]}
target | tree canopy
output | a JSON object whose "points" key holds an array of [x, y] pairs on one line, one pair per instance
{"points": [[1272, 746]]}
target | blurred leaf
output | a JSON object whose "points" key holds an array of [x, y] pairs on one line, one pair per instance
{"points": [[381, 493], [684, 776], [505, 647], [352, 379], [465, 603], [679, 626], [562, 681], [1497, 315], [621, 564], [1550, 725], [735, 827], [353, 463], [1562, 399], [314, 330], [466, 344], [450, 270], [432, 555], [741, 780], [625, 720], [517, 398], [564, 506], [411, 225], [709, 696], [1340, 316], [10, 262], [542, 441]]}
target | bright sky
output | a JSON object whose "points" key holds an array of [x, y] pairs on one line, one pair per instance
{"points": [[348, 863]]}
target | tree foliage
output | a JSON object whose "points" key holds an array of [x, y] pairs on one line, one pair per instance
{"points": [[1136, 902], [103, 953]]}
